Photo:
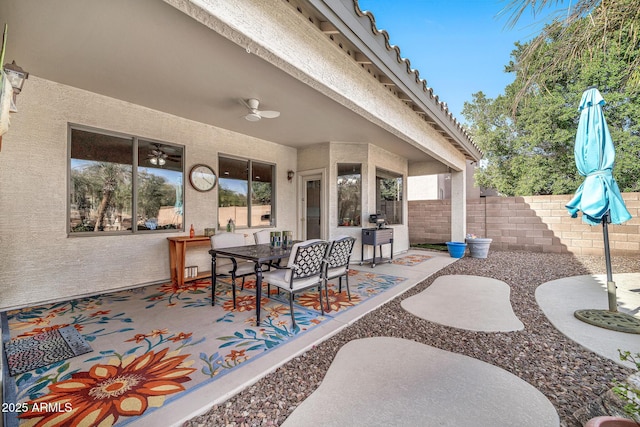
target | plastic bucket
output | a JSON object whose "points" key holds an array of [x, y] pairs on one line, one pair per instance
{"points": [[478, 247], [456, 249]]}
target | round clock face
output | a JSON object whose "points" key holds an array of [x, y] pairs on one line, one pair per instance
{"points": [[202, 178]]}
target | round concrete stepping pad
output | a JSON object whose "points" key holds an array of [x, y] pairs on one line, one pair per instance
{"points": [[559, 299], [467, 302], [385, 381]]}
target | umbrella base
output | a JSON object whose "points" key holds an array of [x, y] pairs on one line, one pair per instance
{"points": [[612, 320]]}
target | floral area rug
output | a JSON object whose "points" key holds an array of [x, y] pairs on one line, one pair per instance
{"points": [[156, 344], [411, 260], [46, 348]]}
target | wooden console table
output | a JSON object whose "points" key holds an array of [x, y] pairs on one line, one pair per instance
{"points": [[177, 251]]}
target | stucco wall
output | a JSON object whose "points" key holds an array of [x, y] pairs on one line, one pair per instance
{"points": [[307, 54], [326, 156], [38, 261], [371, 157], [536, 223]]}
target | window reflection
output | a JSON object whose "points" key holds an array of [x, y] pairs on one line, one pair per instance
{"points": [[102, 187], [101, 182], [254, 209], [232, 193], [389, 195], [160, 199], [261, 194], [349, 194]]}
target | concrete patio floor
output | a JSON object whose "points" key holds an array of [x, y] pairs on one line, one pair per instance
{"points": [[230, 384]]}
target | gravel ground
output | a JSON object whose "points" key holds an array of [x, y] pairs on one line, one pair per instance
{"points": [[568, 374]]}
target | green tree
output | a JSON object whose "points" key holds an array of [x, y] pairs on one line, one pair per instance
{"points": [[528, 133], [153, 192], [261, 192], [581, 29]]}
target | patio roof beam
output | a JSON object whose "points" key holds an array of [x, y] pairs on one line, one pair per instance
{"points": [[328, 28], [387, 81], [359, 29], [362, 59]]}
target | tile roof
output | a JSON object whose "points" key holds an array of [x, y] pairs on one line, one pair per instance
{"points": [[412, 89], [421, 85]]}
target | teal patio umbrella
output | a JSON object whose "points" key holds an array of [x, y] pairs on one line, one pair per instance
{"points": [[598, 198]]}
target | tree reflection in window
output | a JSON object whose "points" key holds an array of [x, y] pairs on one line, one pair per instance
{"points": [[246, 208], [349, 194], [389, 195], [102, 186]]}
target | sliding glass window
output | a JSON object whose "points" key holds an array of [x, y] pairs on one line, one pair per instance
{"points": [[349, 194], [246, 193], [123, 184], [389, 195]]}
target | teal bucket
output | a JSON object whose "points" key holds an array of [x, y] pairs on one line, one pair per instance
{"points": [[456, 249]]}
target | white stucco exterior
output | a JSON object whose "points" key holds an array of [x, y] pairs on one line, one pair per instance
{"points": [[39, 261], [367, 124]]}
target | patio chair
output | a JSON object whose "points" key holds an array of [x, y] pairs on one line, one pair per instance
{"points": [[303, 271], [227, 266], [262, 236], [337, 264]]}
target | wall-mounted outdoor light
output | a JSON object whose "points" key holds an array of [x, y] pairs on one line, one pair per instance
{"points": [[16, 76], [290, 174]]}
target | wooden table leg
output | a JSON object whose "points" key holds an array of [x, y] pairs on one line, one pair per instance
{"points": [[172, 261], [181, 249]]}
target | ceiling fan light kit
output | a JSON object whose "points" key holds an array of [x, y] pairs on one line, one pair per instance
{"points": [[157, 156]]}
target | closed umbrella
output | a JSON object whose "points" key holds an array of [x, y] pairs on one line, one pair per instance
{"points": [[598, 198]]}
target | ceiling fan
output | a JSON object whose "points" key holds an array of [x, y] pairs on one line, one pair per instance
{"points": [[158, 157], [255, 114]]}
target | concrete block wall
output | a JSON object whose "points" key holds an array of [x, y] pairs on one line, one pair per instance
{"points": [[533, 223]]}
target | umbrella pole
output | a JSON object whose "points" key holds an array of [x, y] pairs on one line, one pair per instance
{"points": [[611, 285]]}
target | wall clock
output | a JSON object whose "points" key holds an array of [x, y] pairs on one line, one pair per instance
{"points": [[202, 177]]}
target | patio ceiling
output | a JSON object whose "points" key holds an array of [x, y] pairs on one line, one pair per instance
{"points": [[148, 53]]}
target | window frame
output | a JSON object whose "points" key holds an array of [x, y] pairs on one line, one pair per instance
{"points": [[379, 174], [358, 208], [274, 168], [135, 139]]}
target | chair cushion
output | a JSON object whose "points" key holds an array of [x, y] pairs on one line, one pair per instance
{"points": [[246, 267], [262, 236], [294, 250], [276, 278], [279, 278], [336, 272]]}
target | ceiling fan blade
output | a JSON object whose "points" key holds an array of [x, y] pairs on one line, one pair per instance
{"points": [[244, 102], [253, 117], [269, 114]]}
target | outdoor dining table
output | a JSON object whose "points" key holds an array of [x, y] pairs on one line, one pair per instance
{"points": [[259, 254]]}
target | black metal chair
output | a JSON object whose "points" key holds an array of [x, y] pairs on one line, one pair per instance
{"points": [[337, 263], [303, 271], [227, 266]]}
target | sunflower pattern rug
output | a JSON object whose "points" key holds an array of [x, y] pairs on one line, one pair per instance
{"points": [[156, 344]]}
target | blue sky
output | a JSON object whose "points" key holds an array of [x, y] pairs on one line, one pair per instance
{"points": [[459, 46]]}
